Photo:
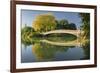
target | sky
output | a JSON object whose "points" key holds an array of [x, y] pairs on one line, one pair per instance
{"points": [[28, 16]]}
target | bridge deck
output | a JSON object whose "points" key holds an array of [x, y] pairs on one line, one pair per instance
{"points": [[74, 32]]}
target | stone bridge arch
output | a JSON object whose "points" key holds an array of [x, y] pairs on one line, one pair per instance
{"points": [[74, 32]]}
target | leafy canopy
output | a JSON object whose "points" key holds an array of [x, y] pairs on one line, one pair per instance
{"points": [[44, 22]]}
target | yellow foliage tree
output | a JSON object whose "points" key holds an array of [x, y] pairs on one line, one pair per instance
{"points": [[44, 22]]}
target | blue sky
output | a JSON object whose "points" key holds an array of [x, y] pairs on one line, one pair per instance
{"points": [[28, 16]]}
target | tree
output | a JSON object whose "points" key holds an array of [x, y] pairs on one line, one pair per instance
{"points": [[57, 24], [44, 22], [64, 23], [26, 34], [26, 31], [72, 26], [85, 18]]}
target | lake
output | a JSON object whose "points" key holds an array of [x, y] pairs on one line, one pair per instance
{"points": [[54, 50]]}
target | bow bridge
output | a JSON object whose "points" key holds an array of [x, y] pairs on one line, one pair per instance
{"points": [[74, 32]]}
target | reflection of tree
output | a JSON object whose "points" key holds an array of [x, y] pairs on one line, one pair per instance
{"points": [[86, 48], [46, 52], [26, 33]]}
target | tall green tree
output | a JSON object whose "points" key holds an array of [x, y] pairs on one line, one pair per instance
{"points": [[72, 26], [64, 23], [85, 18], [44, 22]]}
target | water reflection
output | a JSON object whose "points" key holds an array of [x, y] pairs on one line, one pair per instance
{"points": [[86, 48], [46, 52], [42, 51]]}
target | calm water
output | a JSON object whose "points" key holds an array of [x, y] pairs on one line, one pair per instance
{"points": [[43, 52]]}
